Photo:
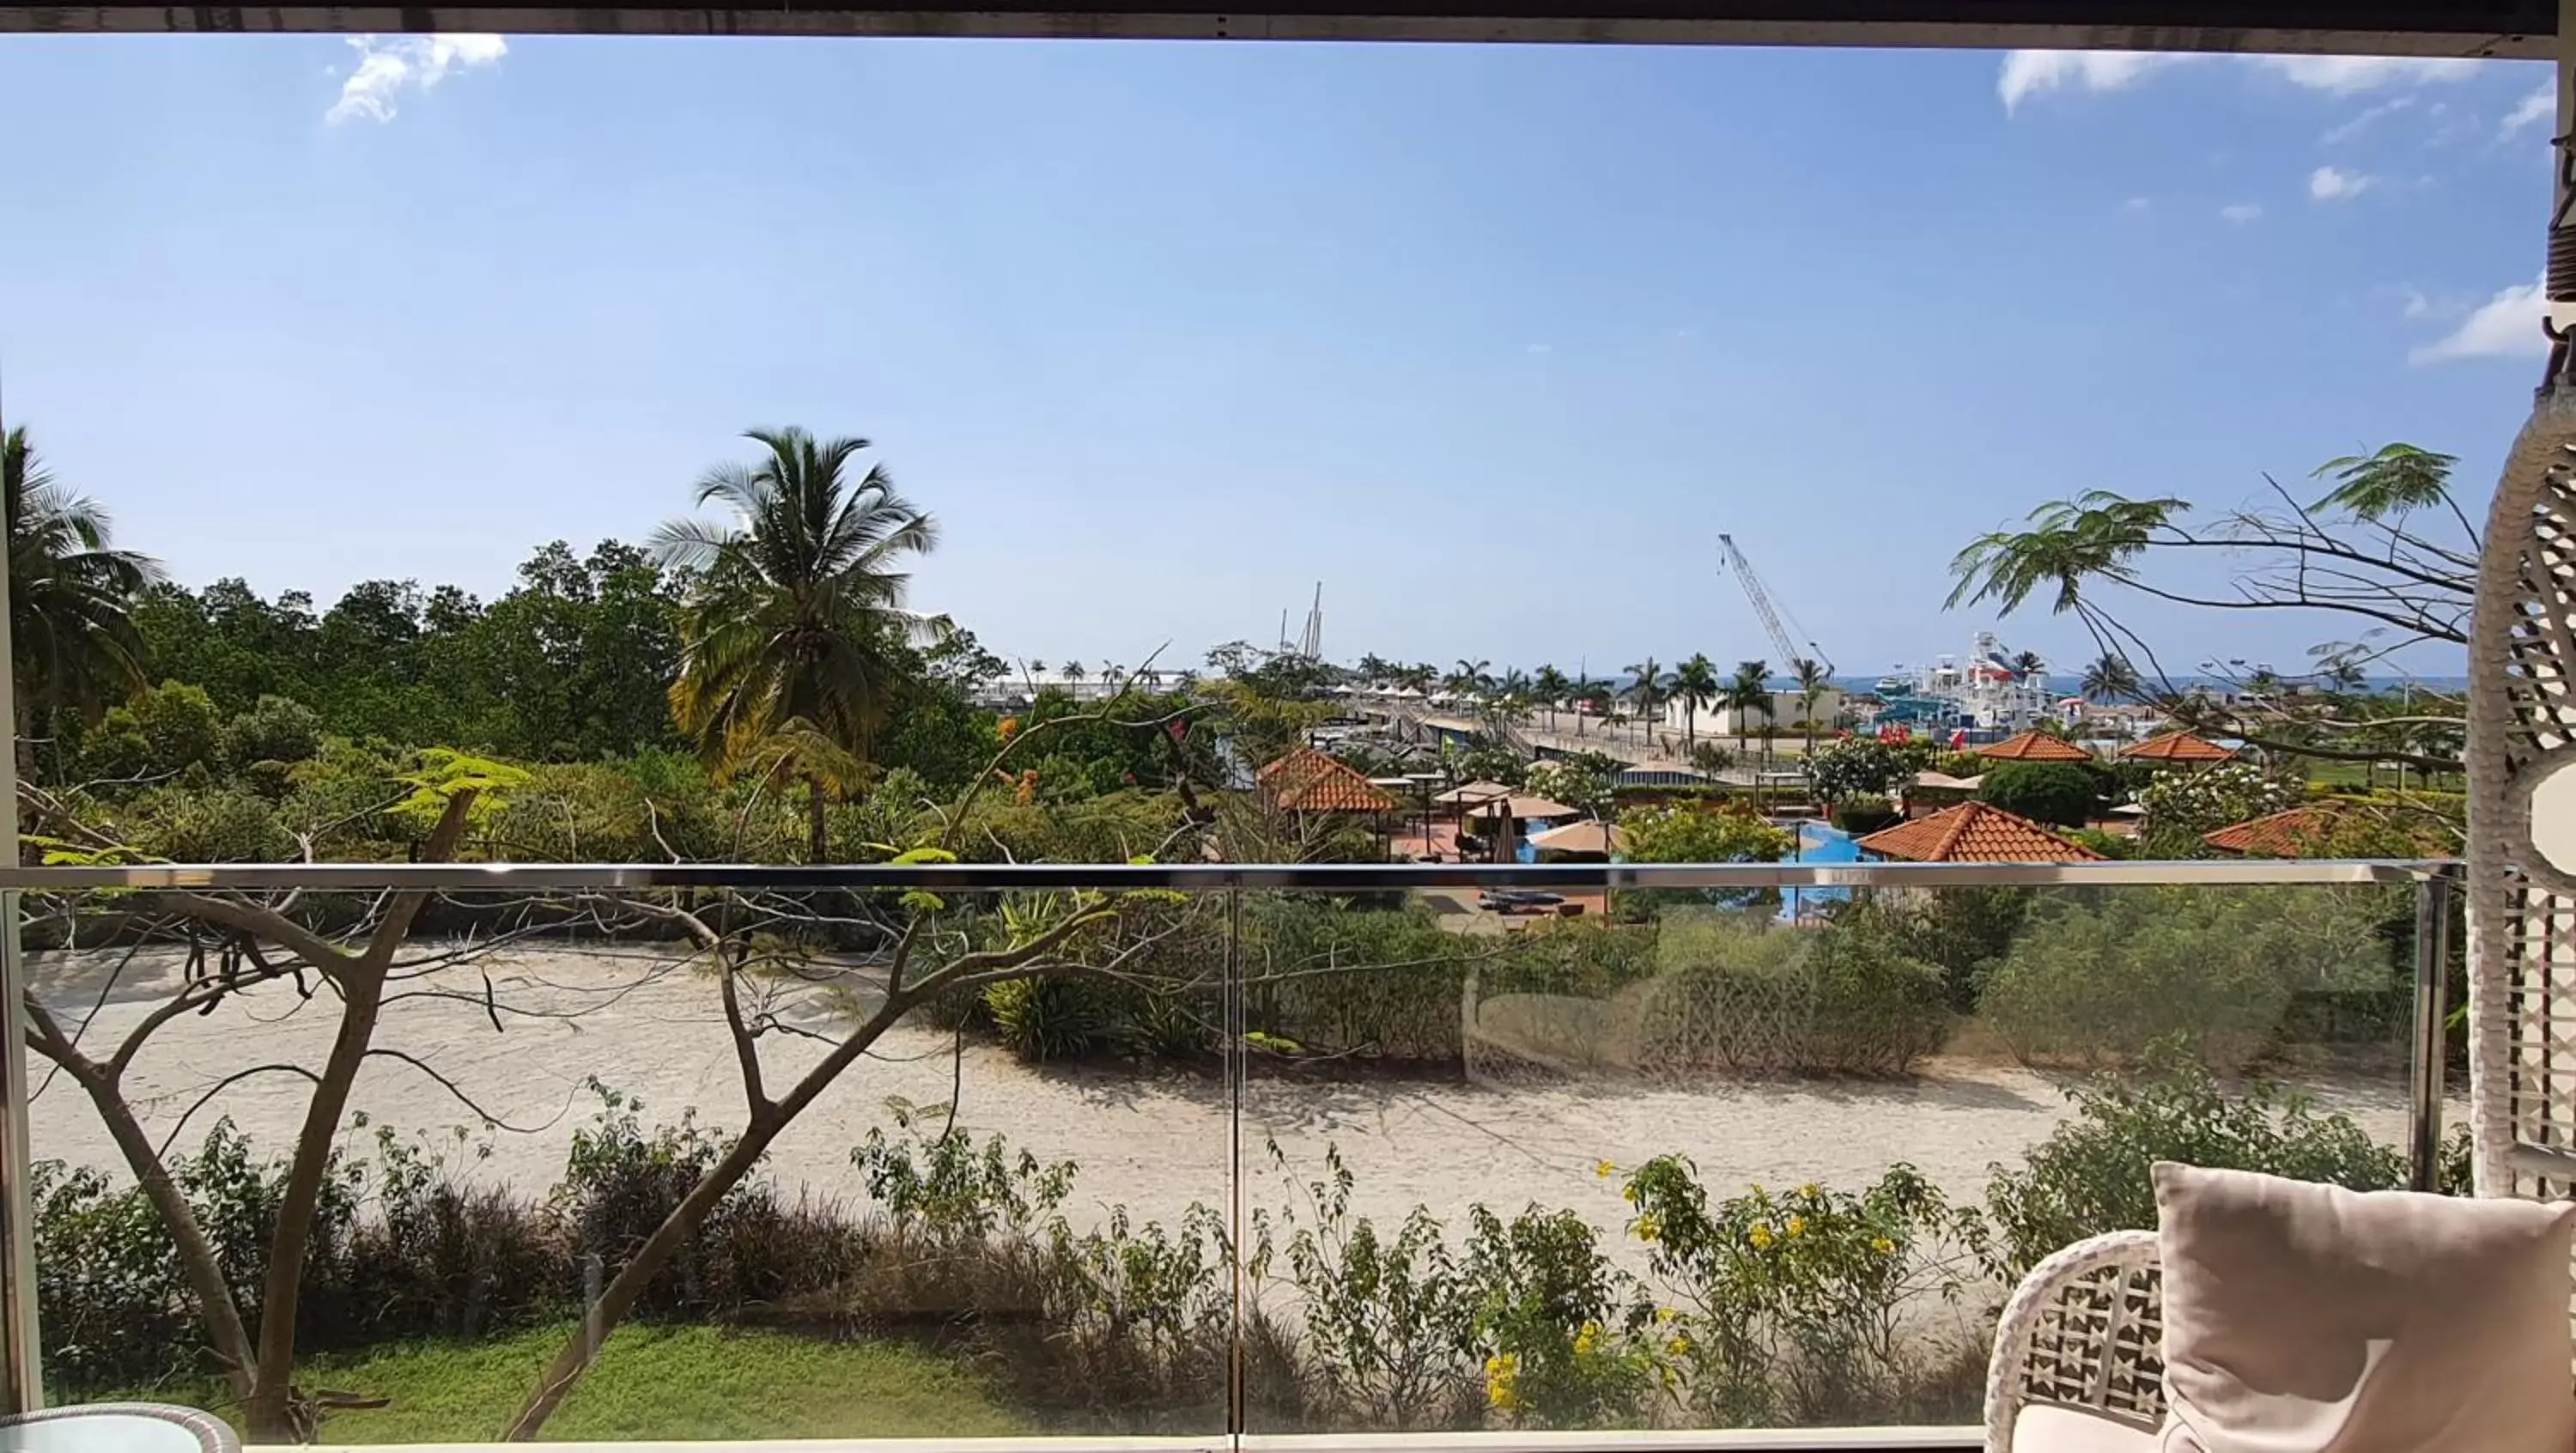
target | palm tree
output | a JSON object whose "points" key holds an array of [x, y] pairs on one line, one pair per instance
{"points": [[1695, 682], [1650, 680], [1075, 673], [2029, 663], [72, 638], [2110, 678], [1472, 678], [1552, 687], [1812, 682], [1746, 692], [791, 632]]}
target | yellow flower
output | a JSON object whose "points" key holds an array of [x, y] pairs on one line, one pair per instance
{"points": [[1797, 1225], [1666, 1314], [1883, 1246], [1760, 1237], [1502, 1380], [1680, 1346], [1587, 1339], [1809, 1190], [1648, 1228], [1628, 1194], [1604, 1169]]}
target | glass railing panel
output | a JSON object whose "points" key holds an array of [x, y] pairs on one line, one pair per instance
{"points": [[989, 1207], [1730, 1158]]}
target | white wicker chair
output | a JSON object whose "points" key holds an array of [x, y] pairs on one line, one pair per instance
{"points": [[2083, 1334]]}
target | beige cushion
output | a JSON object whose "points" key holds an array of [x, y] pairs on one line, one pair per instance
{"points": [[2304, 1318], [2051, 1428]]}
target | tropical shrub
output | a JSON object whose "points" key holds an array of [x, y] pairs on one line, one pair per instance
{"points": [[2091, 1174], [1788, 1307], [2183, 805], [2097, 977], [1864, 812], [1958, 931], [1587, 782], [2061, 794], [1850, 766], [1685, 833], [1740, 994]]}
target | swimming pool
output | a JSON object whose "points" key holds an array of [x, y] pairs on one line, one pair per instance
{"points": [[1819, 842]]}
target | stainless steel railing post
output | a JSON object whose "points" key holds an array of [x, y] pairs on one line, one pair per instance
{"points": [[2431, 1042]]}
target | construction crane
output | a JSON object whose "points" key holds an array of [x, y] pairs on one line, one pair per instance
{"points": [[1781, 640]]}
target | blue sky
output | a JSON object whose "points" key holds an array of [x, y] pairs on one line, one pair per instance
{"points": [[1492, 341]]}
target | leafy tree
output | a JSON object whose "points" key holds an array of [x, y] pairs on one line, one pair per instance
{"points": [[71, 594], [1747, 692], [1812, 681], [1553, 687], [2062, 794], [1682, 833], [2183, 805], [796, 608], [1695, 683], [1850, 766], [2110, 678], [2387, 551], [1586, 781], [1649, 686], [160, 732]]}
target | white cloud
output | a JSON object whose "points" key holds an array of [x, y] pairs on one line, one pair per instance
{"points": [[2346, 131], [2026, 73], [2137, 204], [389, 66], [2504, 326], [2237, 214], [2345, 74], [2334, 184], [2539, 106]]}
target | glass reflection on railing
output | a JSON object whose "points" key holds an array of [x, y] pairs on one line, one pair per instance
{"points": [[1719, 1162], [962, 1161]]}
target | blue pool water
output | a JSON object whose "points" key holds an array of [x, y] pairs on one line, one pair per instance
{"points": [[1819, 842]]}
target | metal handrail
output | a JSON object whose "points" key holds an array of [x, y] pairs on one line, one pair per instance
{"points": [[1317, 877]]}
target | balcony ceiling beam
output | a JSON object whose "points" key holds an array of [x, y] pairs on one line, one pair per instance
{"points": [[2499, 28]]}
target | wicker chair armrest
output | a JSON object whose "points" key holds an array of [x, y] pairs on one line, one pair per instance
{"points": [[2085, 1329]]}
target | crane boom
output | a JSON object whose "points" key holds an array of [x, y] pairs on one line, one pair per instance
{"points": [[1755, 592]]}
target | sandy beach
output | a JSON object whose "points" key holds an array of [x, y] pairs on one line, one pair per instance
{"points": [[647, 1022]]}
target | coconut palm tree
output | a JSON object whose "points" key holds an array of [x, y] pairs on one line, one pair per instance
{"points": [[1746, 692], [1812, 682], [1472, 678], [1649, 687], [798, 608], [2029, 663], [72, 636], [2110, 678], [1695, 683], [1552, 687]]}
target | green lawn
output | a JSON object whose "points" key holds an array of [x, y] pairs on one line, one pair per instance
{"points": [[658, 1383]]}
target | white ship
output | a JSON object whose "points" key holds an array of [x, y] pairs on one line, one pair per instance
{"points": [[1984, 691]]}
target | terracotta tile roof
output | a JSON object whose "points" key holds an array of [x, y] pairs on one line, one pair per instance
{"points": [[2281, 835], [2177, 747], [2035, 747], [1975, 832], [1306, 780]]}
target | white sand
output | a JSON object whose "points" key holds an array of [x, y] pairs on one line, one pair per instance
{"points": [[647, 1024]]}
